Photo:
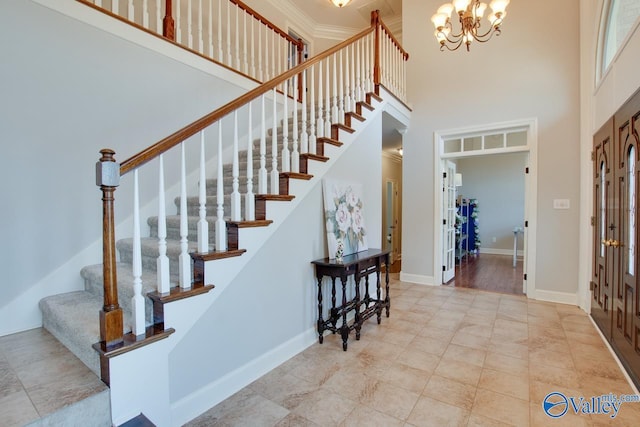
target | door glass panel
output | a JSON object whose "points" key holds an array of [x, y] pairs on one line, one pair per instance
{"points": [[603, 209], [473, 143], [452, 146], [631, 206]]}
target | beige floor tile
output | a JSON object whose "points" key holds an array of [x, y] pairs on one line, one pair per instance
{"points": [[476, 420], [419, 359], [595, 352], [9, 381], [284, 389], [471, 340], [451, 392], [397, 337], [459, 371], [429, 412], [517, 350], [481, 330], [510, 385], [502, 408], [294, 420], [590, 368], [551, 358], [559, 345], [429, 345], [406, 377], [440, 334], [444, 323], [364, 416], [465, 354], [49, 397], [539, 390], [325, 408], [392, 400], [17, 410], [384, 350], [538, 418], [552, 375], [506, 364], [585, 338], [352, 383], [537, 331], [515, 315]]}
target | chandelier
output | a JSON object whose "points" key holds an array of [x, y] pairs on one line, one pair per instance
{"points": [[470, 13], [340, 3]]}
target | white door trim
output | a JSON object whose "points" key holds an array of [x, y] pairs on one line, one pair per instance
{"points": [[531, 187]]}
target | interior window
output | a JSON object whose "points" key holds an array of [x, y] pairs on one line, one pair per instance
{"points": [[631, 178], [621, 18], [603, 209]]}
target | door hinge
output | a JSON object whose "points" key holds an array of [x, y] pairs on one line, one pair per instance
{"points": [[526, 223], [593, 156], [444, 268], [444, 174], [444, 222], [591, 286], [593, 221], [525, 276], [526, 170]]}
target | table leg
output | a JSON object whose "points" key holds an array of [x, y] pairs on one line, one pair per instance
{"points": [[344, 330], [387, 298], [378, 294], [334, 313], [356, 301], [320, 325]]}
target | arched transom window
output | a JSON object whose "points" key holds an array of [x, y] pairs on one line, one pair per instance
{"points": [[620, 18]]}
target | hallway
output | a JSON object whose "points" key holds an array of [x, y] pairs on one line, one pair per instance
{"points": [[487, 272]]}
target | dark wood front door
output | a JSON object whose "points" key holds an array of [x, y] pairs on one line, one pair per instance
{"points": [[615, 280]]}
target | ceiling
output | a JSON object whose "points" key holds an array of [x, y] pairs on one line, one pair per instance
{"points": [[355, 15]]}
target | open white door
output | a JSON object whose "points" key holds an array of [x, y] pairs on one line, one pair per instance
{"points": [[449, 222]]}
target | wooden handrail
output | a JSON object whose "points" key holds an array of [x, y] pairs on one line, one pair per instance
{"points": [[395, 41], [264, 20], [176, 138]]}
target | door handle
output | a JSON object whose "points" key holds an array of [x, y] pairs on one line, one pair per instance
{"points": [[606, 242], [615, 243]]}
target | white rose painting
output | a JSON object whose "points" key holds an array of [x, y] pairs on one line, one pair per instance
{"points": [[344, 217]]}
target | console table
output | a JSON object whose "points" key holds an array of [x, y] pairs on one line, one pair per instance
{"points": [[359, 265]]}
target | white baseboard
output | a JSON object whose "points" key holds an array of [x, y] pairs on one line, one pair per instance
{"points": [[497, 251], [417, 279], [558, 297], [198, 402]]}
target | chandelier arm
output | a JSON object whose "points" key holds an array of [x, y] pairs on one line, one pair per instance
{"points": [[497, 32], [457, 45]]}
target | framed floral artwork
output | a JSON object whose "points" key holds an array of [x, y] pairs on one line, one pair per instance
{"points": [[344, 217]]}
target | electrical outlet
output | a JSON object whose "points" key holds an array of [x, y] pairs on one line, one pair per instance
{"points": [[493, 239]]}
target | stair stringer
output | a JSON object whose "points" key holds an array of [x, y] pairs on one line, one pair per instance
{"points": [[138, 387]]}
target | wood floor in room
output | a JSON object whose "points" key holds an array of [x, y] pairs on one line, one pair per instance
{"points": [[486, 272]]}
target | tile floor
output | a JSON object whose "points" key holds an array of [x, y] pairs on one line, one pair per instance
{"points": [[39, 376], [446, 357]]}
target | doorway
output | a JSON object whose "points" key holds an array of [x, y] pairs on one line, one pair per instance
{"points": [[509, 138]]}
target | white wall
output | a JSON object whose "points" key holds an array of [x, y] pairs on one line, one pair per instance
{"points": [[497, 182], [524, 73], [68, 90], [273, 300], [391, 170]]}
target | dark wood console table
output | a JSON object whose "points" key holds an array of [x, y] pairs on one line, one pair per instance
{"points": [[359, 265]]}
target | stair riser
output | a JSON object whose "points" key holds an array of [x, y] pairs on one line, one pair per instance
{"points": [[125, 293], [173, 232]]}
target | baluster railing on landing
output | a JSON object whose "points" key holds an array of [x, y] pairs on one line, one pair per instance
{"points": [[250, 41], [351, 69]]}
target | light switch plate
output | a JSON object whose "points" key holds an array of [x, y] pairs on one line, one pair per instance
{"points": [[561, 204]]}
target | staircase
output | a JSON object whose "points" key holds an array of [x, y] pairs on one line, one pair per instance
{"points": [[71, 317]]}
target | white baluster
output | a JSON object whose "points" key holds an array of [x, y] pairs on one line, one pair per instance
{"points": [[130, 11], [352, 70], [220, 50], [210, 30], [267, 53], [286, 161], [260, 75], [312, 114], [275, 175], [189, 25], [158, 17], [221, 225], [98, 3], [320, 124], [229, 54], [184, 260], [359, 96], [347, 81], [262, 173], [162, 262], [178, 22], [340, 89], [304, 135], [367, 63], [203, 225], [145, 14], [249, 198], [253, 48], [137, 301], [236, 214], [327, 103], [334, 102], [244, 43], [115, 7], [295, 155], [237, 40], [200, 20], [273, 49]]}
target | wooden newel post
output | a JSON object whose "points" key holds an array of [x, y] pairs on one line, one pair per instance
{"points": [[108, 178], [375, 21], [168, 25]]}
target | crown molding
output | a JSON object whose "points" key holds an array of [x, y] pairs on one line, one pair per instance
{"points": [[392, 156]]}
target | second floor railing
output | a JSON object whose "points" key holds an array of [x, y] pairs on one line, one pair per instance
{"points": [[226, 31]]}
